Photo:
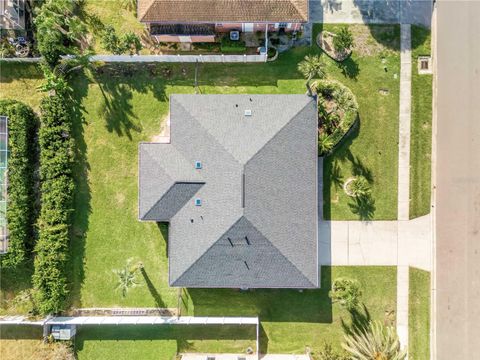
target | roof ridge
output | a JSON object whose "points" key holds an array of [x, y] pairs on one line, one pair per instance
{"points": [[276, 133], [250, 222]]}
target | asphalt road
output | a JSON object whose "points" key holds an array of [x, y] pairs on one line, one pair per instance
{"points": [[458, 181]]}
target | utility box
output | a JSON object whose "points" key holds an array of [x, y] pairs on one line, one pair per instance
{"points": [[63, 332]]}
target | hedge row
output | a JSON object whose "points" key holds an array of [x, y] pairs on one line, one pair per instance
{"points": [[21, 198], [56, 160]]}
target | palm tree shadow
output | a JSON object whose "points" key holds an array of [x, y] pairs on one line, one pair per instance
{"points": [[363, 206], [153, 291], [349, 68], [359, 321], [359, 169]]}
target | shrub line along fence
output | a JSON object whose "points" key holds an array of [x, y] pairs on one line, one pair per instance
{"points": [[162, 58]]}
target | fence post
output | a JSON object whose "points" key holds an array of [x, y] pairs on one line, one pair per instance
{"points": [[244, 58], [223, 58]]}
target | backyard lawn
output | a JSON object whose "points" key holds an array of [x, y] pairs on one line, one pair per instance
{"points": [[421, 135], [160, 342], [419, 315]]}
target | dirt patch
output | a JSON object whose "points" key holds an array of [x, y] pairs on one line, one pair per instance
{"points": [[325, 42], [164, 132], [120, 198], [374, 39]]}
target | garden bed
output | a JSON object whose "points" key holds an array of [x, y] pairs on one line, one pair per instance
{"points": [[325, 42], [337, 113]]}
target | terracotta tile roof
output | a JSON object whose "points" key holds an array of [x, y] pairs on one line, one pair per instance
{"points": [[223, 10]]}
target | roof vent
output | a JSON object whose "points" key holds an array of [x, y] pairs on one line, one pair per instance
{"points": [[248, 112], [198, 164], [198, 202]]}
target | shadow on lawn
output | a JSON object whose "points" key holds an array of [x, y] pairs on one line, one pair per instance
{"points": [[153, 291], [270, 305], [82, 196]]}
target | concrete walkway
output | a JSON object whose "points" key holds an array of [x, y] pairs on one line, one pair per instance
{"points": [[404, 124], [402, 304]]}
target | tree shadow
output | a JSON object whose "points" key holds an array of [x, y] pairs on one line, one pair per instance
{"points": [[153, 291], [363, 206], [332, 178], [359, 321], [349, 68], [82, 196], [359, 168]]}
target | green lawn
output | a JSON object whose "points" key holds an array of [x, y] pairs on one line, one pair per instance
{"points": [[160, 342], [292, 320], [421, 135], [372, 149], [419, 315]]}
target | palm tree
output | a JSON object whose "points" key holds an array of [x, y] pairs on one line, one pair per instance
{"points": [[360, 187], [376, 342], [127, 277], [325, 143], [312, 66]]}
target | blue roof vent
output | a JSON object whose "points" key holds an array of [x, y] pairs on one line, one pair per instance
{"points": [[198, 164], [198, 202]]}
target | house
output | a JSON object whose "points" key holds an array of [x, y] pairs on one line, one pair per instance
{"points": [[200, 20], [238, 186], [12, 14]]}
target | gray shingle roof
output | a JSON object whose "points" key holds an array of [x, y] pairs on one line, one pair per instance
{"points": [[258, 180]]}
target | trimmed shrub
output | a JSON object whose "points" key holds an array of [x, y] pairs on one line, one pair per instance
{"points": [[56, 160], [337, 110], [231, 46], [20, 209]]}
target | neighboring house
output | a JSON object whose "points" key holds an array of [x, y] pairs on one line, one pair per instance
{"points": [[200, 20], [238, 185], [12, 14]]}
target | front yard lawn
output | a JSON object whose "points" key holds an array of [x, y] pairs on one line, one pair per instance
{"points": [[421, 135], [419, 315]]}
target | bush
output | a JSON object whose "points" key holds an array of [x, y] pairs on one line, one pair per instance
{"points": [[337, 110], [56, 159], [230, 46], [343, 40], [20, 209], [117, 46], [57, 27], [346, 292]]}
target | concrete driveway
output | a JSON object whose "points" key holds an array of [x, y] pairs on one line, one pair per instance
{"points": [[371, 11], [392, 243]]}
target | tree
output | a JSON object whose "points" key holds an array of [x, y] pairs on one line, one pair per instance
{"points": [[312, 66], [375, 342], [131, 42], [325, 143], [116, 45], [343, 40], [56, 25], [360, 187], [346, 292], [127, 277]]}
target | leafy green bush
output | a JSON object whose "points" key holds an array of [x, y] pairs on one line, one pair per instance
{"points": [[343, 40], [57, 27], [20, 210], [120, 45], [230, 46], [337, 110], [56, 159], [346, 292]]}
